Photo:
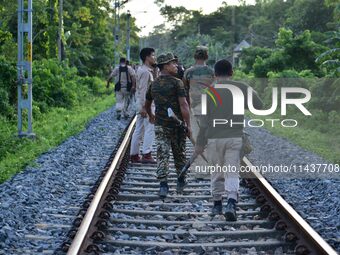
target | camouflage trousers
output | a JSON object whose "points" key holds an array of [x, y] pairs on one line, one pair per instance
{"points": [[166, 139]]}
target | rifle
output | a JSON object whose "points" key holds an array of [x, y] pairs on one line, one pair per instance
{"points": [[171, 114]]}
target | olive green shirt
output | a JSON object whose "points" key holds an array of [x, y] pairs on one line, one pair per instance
{"points": [[196, 79]]}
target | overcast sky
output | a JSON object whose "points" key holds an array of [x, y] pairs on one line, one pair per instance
{"points": [[146, 21]]}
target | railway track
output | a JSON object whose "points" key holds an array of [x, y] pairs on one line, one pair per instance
{"points": [[124, 215]]}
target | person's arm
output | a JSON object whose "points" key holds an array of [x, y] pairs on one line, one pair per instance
{"points": [[186, 83], [113, 74], [147, 106], [148, 110], [184, 106], [185, 110], [132, 74], [142, 91]]}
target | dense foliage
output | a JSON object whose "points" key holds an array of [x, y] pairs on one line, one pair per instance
{"points": [[293, 40], [88, 52], [295, 32], [87, 34]]}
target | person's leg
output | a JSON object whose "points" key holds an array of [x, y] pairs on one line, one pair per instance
{"points": [[163, 154], [136, 139], [119, 104], [178, 147], [232, 182], [126, 102], [149, 137], [214, 152]]}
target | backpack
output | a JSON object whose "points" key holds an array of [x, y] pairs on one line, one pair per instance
{"points": [[118, 86]]}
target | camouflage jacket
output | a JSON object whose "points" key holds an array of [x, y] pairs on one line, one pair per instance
{"points": [[165, 92]]}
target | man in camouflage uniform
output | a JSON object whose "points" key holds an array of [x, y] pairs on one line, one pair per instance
{"points": [[196, 79], [168, 92]]}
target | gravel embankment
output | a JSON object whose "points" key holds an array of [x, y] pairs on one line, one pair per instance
{"points": [[316, 199], [61, 178]]}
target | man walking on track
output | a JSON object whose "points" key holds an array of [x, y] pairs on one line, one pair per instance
{"points": [[144, 128], [196, 79], [224, 142], [125, 84], [168, 92]]}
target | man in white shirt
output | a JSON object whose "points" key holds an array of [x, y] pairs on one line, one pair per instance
{"points": [[125, 84], [144, 129]]}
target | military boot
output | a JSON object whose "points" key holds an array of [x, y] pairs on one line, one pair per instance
{"points": [[230, 210], [217, 208], [163, 190], [181, 183]]}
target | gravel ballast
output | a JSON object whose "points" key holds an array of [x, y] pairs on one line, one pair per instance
{"points": [[315, 199], [63, 176]]}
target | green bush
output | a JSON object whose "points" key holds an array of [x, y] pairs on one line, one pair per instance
{"points": [[249, 55], [55, 84], [8, 88], [93, 83]]}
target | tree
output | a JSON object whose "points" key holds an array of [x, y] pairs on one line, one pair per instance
{"points": [[330, 58], [311, 15]]}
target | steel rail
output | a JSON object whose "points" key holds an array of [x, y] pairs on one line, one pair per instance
{"points": [[312, 239], [82, 233]]}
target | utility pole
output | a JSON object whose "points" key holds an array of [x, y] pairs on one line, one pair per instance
{"points": [[24, 67], [117, 6], [128, 15], [60, 32], [116, 36]]}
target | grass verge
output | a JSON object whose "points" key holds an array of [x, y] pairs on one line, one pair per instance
{"points": [[324, 144], [51, 129]]}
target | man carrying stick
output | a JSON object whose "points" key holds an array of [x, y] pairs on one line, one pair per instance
{"points": [[168, 91]]}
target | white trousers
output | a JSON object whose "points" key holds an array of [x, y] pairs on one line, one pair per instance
{"points": [[225, 152], [144, 131]]}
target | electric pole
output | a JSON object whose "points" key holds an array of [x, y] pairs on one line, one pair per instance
{"points": [[24, 67], [60, 32], [128, 36], [117, 29]]}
